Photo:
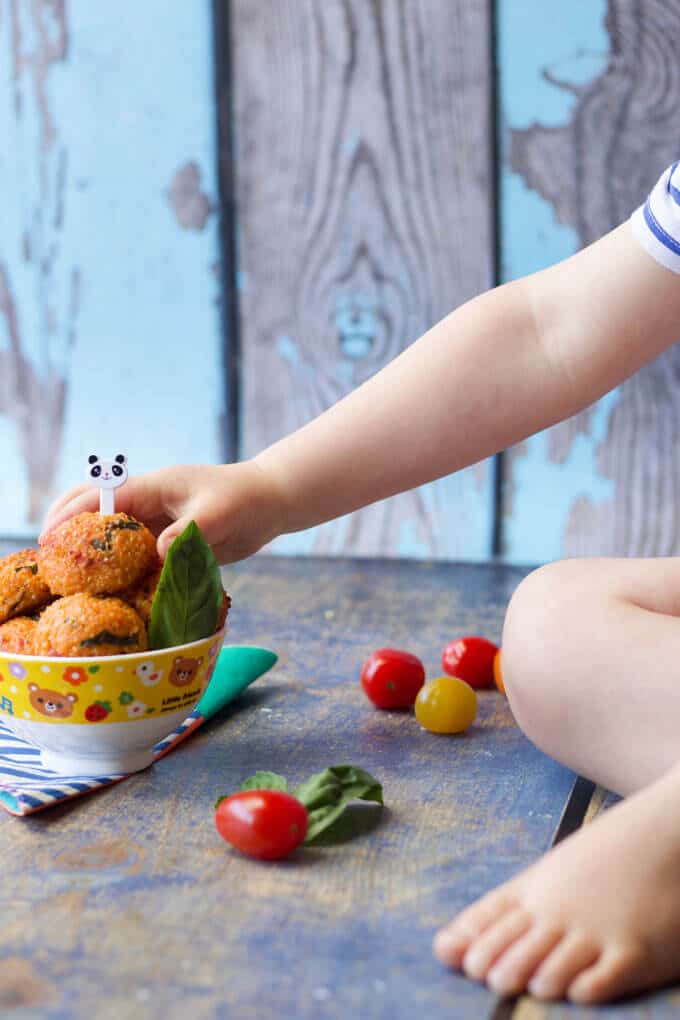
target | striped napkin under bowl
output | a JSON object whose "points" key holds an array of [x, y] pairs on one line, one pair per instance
{"points": [[26, 787]]}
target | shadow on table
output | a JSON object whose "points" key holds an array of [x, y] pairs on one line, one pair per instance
{"points": [[252, 697]]}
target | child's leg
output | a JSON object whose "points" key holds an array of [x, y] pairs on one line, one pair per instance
{"points": [[591, 656], [591, 662]]}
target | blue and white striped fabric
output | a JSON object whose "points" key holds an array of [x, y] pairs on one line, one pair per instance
{"points": [[656, 224], [25, 786]]}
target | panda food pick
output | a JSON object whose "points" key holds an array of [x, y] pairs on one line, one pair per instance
{"points": [[108, 476], [96, 586]]}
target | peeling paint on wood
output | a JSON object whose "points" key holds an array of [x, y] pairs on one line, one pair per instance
{"points": [[105, 288], [582, 148], [190, 205], [33, 383]]}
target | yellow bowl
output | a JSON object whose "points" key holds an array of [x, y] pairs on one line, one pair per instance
{"points": [[103, 715]]}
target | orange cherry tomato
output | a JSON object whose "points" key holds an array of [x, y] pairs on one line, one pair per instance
{"points": [[497, 675], [471, 660], [446, 705]]}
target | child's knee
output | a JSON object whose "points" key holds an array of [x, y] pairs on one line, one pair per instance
{"points": [[535, 642]]}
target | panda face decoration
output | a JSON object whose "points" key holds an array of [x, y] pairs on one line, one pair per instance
{"points": [[107, 475]]}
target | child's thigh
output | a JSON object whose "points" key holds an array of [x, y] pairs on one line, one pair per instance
{"points": [[591, 662]]}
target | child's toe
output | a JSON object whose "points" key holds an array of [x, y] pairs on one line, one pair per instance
{"points": [[617, 971], [451, 946], [560, 968], [452, 942], [513, 970], [493, 942]]}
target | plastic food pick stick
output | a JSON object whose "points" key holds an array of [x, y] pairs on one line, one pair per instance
{"points": [[108, 475]]}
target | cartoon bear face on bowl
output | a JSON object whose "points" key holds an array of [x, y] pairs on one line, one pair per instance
{"points": [[52, 703], [184, 671]]}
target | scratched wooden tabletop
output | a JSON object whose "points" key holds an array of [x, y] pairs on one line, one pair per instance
{"points": [[126, 903]]}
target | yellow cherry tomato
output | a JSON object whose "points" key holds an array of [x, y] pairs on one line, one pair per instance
{"points": [[446, 705], [497, 674]]}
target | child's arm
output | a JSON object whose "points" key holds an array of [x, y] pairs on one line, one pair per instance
{"points": [[501, 367], [504, 365]]}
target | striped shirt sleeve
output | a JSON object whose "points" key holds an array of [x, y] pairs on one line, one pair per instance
{"points": [[656, 224]]}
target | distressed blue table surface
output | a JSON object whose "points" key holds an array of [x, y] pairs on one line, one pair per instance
{"points": [[127, 902]]}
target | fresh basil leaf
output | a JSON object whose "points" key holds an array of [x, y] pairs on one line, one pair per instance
{"points": [[188, 599], [326, 794], [265, 781], [357, 819], [320, 819]]}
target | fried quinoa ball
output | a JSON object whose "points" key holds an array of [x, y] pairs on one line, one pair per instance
{"points": [[140, 597], [101, 554], [81, 625], [22, 585], [16, 636]]}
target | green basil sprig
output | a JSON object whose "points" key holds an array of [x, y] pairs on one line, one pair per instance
{"points": [[187, 603], [325, 794], [265, 781]]}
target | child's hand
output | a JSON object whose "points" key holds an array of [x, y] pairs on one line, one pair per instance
{"points": [[238, 507]]}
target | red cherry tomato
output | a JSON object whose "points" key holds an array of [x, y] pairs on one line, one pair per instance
{"points": [[267, 824], [471, 660], [392, 679]]}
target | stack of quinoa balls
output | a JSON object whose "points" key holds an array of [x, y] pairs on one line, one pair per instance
{"points": [[88, 591]]}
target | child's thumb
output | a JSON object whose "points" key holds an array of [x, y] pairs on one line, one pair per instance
{"points": [[167, 537]]}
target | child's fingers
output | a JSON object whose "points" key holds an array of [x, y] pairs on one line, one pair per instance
{"points": [[209, 515], [167, 537], [141, 497], [63, 500], [78, 500]]}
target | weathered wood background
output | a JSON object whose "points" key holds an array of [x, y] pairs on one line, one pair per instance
{"points": [[364, 162], [380, 162], [580, 152], [109, 323]]}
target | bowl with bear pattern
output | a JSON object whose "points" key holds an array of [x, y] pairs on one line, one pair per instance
{"points": [[104, 715]]}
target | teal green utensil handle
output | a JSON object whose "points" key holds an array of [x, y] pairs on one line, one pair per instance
{"points": [[237, 667]]}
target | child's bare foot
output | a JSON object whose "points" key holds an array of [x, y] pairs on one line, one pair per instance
{"points": [[596, 918]]}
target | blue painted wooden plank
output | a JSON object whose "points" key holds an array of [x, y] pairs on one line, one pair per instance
{"points": [[363, 160], [570, 45], [543, 490], [546, 53], [108, 248], [589, 157]]}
